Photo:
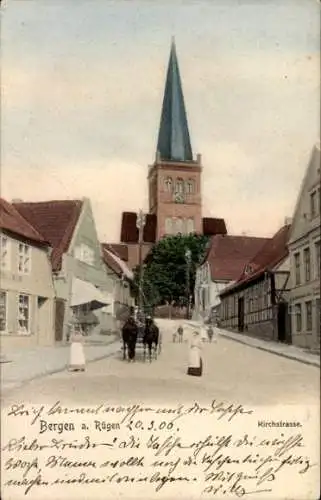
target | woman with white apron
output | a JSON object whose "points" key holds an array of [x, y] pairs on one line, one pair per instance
{"points": [[195, 364], [77, 360]]}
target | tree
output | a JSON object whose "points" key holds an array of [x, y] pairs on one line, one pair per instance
{"points": [[165, 269]]}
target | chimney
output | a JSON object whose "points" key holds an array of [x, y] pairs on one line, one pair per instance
{"points": [[199, 159], [16, 200], [288, 221]]}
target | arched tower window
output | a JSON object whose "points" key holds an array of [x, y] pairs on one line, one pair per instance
{"points": [[179, 225], [190, 186], [169, 225], [168, 183], [190, 226], [179, 185]]}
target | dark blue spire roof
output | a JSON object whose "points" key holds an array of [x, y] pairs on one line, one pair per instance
{"points": [[173, 139]]}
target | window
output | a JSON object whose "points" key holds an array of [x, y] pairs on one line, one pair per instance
{"points": [[168, 225], [308, 315], [190, 226], [24, 258], [5, 255], [179, 225], [190, 186], [3, 312], [24, 314], [297, 268], [317, 259], [313, 204], [168, 183], [307, 264], [85, 254], [298, 317], [179, 186]]}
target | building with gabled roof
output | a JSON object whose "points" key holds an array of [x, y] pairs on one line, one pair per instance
{"points": [[304, 247], [122, 278], [83, 288], [26, 287], [56, 220], [257, 302], [174, 178], [222, 265]]}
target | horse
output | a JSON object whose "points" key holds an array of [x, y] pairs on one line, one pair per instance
{"points": [[151, 337], [129, 336]]}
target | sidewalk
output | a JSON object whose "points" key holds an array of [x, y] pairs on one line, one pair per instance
{"points": [[284, 350], [20, 367]]}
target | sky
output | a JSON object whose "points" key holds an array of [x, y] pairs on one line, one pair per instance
{"points": [[82, 88]]}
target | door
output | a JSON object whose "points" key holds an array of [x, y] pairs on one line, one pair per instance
{"points": [[59, 319], [281, 321], [240, 311]]}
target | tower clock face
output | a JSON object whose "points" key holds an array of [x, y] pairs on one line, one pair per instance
{"points": [[178, 198]]}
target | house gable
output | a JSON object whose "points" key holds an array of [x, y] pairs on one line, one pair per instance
{"points": [[85, 245], [303, 222]]}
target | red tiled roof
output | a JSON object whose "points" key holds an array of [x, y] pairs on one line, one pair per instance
{"points": [[114, 261], [273, 252], [213, 226], [228, 255], [129, 231], [109, 261], [56, 221], [11, 220], [119, 249]]}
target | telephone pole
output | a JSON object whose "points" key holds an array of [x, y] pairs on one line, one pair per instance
{"points": [[140, 224], [188, 258]]}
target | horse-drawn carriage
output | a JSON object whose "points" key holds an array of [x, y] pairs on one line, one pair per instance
{"points": [[147, 336]]}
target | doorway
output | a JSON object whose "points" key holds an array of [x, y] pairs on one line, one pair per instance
{"points": [[240, 312], [282, 322], [59, 319]]}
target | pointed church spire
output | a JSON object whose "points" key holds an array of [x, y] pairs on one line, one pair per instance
{"points": [[173, 139]]}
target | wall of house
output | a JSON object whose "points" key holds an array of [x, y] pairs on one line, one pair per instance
{"points": [[306, 325], [34, 282], [259, 316], [305, 235], [93, 270], [206, 292]]}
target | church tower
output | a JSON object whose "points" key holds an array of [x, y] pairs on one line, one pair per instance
{"points": [[174, 178]]}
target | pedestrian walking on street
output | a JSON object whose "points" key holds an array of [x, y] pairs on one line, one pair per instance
{"points": [[195, 363], [210, 333], [77, 360], [180, 332]]}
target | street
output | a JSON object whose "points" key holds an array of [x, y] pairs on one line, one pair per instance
{"points": [[248, 385], [232, 371]]}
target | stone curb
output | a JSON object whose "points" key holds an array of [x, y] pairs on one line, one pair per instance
{"points": [[272, 351], [17, 385]]}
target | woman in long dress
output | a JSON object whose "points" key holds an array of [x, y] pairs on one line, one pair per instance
{"points": [[195, 364], [77, 360]]}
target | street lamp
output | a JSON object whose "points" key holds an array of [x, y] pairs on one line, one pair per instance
{"points": [[188, 258], [140, 224]]}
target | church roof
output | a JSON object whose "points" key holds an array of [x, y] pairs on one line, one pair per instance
{"points": [[173, 139]]}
